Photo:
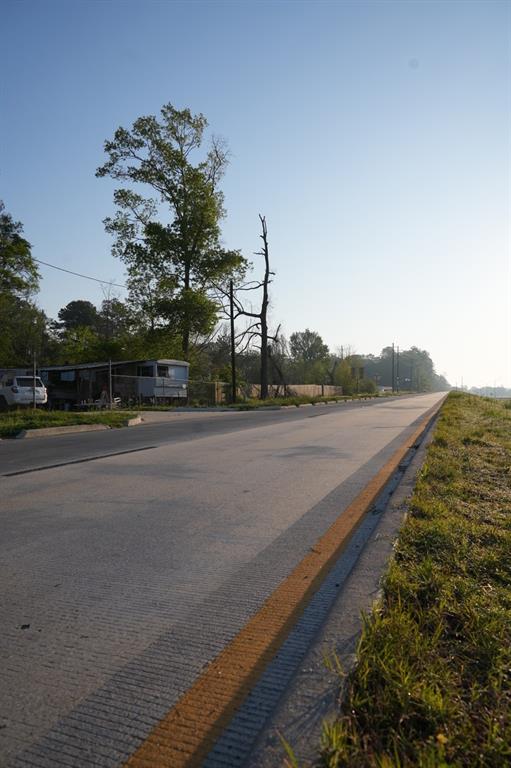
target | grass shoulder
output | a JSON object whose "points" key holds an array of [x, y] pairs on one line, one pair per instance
{"points": [[432, 684], [304, 400], [253, 403], [13, 422]]}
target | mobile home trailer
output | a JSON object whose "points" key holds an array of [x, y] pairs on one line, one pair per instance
{"points": [[160, 381]]}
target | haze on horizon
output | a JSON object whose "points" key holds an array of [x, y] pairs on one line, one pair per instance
{"points": [[374, 136]]}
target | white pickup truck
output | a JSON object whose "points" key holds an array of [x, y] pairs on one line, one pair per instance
{"points": [[18, 390]]}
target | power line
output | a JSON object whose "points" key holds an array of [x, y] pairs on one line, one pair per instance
{"points": [[77, 274]]}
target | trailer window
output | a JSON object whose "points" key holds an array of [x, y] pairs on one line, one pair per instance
{"points": [[178, 372]]}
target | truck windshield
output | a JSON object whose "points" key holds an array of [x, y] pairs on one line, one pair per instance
{"points": [[28, 381]]}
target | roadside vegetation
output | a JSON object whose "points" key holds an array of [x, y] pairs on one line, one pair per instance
{"points": [[252, 403], [432, 684], [188, 298], [304, 400], [15, 421]]}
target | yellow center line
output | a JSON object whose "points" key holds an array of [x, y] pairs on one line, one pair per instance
{"points": [[185, 735]]}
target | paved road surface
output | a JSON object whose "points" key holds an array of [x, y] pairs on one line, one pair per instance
{"points": [[122, 577], [18, 455]]}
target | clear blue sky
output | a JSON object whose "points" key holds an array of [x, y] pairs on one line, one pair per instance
{"points": [[374, 136]]}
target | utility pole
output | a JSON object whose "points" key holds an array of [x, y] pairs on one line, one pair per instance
{"points": [[33, 382], [393, 372], [397, 375], [233, 345], [34, 364], [110, 382]]}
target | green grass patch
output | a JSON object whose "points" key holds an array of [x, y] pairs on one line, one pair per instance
{"points": [[14, 421], [251, 403], [279, 401], [304, 400], [432, 684]]}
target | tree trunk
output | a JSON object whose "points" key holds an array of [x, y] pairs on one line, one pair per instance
{"points": [[264, 360], [264, 313], [185, 343]]}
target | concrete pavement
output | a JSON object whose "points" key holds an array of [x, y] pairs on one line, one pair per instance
{"points": [[161, 427], [123, 577]]}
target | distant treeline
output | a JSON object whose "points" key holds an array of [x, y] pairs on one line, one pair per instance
{"points": [[182, 282], [491, 391], [123, 330]]}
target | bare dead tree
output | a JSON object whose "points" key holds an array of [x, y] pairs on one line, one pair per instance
{"points": [[233, 308], [263, 315]]}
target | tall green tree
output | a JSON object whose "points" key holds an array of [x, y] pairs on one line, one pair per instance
{"points": [[18, 270], [79, 314], [23, 326], [310, 357], [171, 236], [307, 346], [114, 319]]}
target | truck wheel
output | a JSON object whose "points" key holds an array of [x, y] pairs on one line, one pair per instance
{"points": [[3, 403]]}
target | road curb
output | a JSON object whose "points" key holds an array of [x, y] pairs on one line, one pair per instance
{"points": [[49, 431], [184, 736]]}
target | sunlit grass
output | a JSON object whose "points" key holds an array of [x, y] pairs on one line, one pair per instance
{"points": [[432, 685], [13, 422]]}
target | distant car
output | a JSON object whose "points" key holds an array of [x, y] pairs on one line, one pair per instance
{"points": [[19, 390]]}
